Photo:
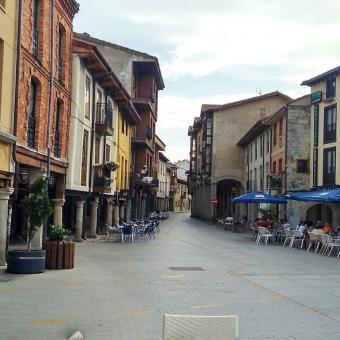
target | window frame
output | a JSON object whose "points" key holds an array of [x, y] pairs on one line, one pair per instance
{"points": [[302, 169], [331, 87], [329, 178], [329, 136]]}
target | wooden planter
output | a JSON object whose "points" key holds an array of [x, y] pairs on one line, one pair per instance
{"points": [[59, 254]]}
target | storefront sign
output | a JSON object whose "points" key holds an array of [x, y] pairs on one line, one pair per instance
{"points": [[316, 97], [316, 125]]}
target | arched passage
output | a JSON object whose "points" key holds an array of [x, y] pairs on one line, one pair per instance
{"points": [[319, 212], [226, 190]]}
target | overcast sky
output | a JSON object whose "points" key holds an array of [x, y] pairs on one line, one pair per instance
{"points": [[216, 51]]}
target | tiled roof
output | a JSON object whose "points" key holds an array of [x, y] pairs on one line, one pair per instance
{"points": [[333, 72], [206, 107]]}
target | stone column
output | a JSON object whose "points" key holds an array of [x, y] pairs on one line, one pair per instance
{"points": [[79, 220], [109, 211], [122, 211], [128, 211], [4, 197], [116, 213], [58, 210], [94, 208], [142, 212]]}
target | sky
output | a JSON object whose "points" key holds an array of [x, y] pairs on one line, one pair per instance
{"points": [[218, 51]]}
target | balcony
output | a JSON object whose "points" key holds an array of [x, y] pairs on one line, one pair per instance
{"points": [[139, 181], [104, 118], [101, 179], [144, 137], [57, 144], [35, 49], [31, 132]]}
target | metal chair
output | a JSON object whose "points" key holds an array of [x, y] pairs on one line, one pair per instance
{"points": [[192, 327], [263, 233]]}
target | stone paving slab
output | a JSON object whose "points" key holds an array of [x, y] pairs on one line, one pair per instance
{"points": [[121, 291]]}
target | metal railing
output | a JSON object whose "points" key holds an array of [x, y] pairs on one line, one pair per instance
{"points": [[104, 114], [31, 132]]}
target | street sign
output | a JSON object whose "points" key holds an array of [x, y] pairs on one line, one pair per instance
{"points": [[214, 201]]}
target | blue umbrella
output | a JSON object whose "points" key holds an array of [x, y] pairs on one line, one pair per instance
{"points": [[316, 196], [259, 197]]}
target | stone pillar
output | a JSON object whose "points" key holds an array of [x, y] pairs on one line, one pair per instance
{"points": [[58, 210], [122, 211], [116, 213], [128, 211], [4, 197], [142, 210], [79, 220], [109, 211], [94, 208]]}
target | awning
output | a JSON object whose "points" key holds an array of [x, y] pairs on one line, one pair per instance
{"points": [[259, 197], [316, 196]]}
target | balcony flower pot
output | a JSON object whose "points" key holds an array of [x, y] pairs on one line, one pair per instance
{"points": [[59, 252], [37, 208]]}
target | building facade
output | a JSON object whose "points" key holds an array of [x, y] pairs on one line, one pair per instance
{"points": [[325, 142], [9, 11], [223, 162], [44, 103]]}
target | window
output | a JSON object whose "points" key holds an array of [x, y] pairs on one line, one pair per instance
{"points": [[122, 174], [261, 145], [266, 174], [330, 124], [261, 177], [330, 87], [302, 166], [251, 180], [32, 114], [107, 153], [61, 52], [267, 141], [123, 124], [35, 30], [274, 167], [255, 149], [251, 153], [280, 166], [97, 150], [87, 97], [126, 176], [329, 166], [275, 134], [280, 127], [99, 100], [255, 179], [84, 158], [59, 111]]}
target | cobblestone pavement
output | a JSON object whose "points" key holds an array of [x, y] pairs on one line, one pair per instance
{"points": [[121, 291]]}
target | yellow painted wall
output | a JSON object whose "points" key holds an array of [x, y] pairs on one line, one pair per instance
{"points": [[8, 27], [123, 154]]}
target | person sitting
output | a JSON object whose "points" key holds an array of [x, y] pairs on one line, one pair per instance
{"points": [[302, 228], [318, 225], [256, 223], [327, 228], [286, 225]]}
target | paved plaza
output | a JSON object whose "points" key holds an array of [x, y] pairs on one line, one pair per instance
{"points": [[121, 291]]}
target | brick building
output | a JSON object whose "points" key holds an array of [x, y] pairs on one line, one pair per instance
{"points": [[44, 99]]}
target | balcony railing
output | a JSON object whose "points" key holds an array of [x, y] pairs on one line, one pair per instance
{"points": [[60, 69], [31, 132], [104, 118], [35, 43], [57, 144]]}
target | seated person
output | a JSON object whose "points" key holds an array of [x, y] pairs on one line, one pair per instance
{"points": [[318, 225], [286, 225], [302, 228], [327, 228], [256, 223], [229, 219]]}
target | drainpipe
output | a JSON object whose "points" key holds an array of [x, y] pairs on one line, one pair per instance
{"points": [[50, 107], [15, 120]]}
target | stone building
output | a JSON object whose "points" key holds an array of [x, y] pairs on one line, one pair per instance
{"points": [[44, 104], [9, 11], [100, 142], [222, 171], [325, 142], [141, 76], [182, 197]]}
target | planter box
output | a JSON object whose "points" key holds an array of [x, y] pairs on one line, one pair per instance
{"points": [[59, 254], [26, 262]]}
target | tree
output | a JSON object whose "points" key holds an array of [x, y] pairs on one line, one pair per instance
{"points": [[37, 207]]}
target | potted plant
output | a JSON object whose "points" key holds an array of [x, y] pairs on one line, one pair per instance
{"points": [[37, 208], [59, 252], [112, 166]]}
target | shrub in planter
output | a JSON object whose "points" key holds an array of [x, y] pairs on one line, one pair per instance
{"points": [[37, 208], [59, 253]]}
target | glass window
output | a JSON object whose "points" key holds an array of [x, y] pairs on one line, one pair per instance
{"points": [[329, 166], [84, 158], [87, 97], [107, 153], [97, 150], [330, 124], [330, 87], [302, 165]]}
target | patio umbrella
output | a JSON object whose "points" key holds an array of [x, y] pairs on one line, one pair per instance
{"points": [[316, 196], [259, 197]]}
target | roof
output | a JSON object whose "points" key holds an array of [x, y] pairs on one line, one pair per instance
{"points": [[159, 143], [272, 118], [163, 157], [323, 76], [113, 85], [87, 37], [260, 126], [248, 100], [207, 107]]}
